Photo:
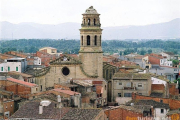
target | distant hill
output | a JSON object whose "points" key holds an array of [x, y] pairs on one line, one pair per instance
{"points": [[167, 30]]}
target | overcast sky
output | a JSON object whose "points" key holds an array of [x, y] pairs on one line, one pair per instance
{"points": [[113, 12]]}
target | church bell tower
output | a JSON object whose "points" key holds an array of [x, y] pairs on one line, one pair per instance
{"points": [[90, 53]]}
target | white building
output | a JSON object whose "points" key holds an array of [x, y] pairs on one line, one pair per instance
{"points": [[14, 64], [156, 80], [37, 61], [169, 55]]}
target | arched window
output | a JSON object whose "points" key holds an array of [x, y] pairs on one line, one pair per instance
{"points": [[95, 40], [89, 21], [100, 40], [81, 40], [94, 21], [84, 21], [88, 40]]}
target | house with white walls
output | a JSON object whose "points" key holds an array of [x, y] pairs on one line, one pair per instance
{"points": [[14, 64]]}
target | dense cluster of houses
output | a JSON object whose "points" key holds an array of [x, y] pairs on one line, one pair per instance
{"points": [[89, 86], [130, 89]]}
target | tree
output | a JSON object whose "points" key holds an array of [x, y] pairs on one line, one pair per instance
{"points": [[149, 51], [142, 52], [175, 62]]}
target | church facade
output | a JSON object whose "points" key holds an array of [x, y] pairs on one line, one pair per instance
{"points": [[87, 65]]}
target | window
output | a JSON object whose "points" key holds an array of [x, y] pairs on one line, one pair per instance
{"points": [[59, 80], [162, 110], [1, 68], [81, 40], [100, 40], [128, 84], [65, 71], [95, 40], [89, 21], [88, 40], [41, 88], [16, 68], [119, 94], [84, 21], [94, 21], [139, 84], [127, 94], [120, 83], [8, 68], [105, 87]]}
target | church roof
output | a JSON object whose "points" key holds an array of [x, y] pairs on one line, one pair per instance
{"points": [[65, 60], [91, 10]]}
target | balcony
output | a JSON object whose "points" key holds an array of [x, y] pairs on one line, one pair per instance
{"points": [[129, 88], [98, 25]]}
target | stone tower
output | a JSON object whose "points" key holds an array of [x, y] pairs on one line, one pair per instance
{"points": [[90, 53]]}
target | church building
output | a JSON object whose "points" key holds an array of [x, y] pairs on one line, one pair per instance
{"points": [[88, 65]]}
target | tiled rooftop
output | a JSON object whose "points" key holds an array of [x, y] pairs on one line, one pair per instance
{"points": [[177, 111], [18, 73], [148, 102], [66, 91], [81, 114], [21, 82], [31, 111], [131, 76]]}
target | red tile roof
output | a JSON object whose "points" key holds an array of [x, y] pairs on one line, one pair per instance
{"points": [[66, 91], [21, 82]]}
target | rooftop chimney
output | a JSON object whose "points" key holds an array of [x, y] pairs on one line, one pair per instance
{"points": [[40, 109]]}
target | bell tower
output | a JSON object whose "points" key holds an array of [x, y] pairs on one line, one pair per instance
{"points": [[90, 53]]}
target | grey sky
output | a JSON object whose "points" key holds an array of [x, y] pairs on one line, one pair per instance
{"points": [[113, 12]]}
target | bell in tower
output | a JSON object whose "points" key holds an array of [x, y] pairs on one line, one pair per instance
{"points": [[90, 52]]}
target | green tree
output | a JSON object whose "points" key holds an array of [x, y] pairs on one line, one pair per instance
{"points": [[149, 51], [175, 62]]}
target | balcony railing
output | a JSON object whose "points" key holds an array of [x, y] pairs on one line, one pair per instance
{"points": [[129, 88], [98, 25]]}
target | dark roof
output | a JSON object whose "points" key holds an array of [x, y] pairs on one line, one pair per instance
{"points": [[148, 102], [120, 75], [69, 60], [156, 94], [31, 110], [169, 53], [177, 111], [81, 114]]}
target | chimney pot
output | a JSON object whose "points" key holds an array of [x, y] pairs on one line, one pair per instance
{"points": [[40, 109]]}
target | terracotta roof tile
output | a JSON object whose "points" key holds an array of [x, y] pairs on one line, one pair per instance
{"points": [[66, 91], [81, 114], [21, 82]]}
